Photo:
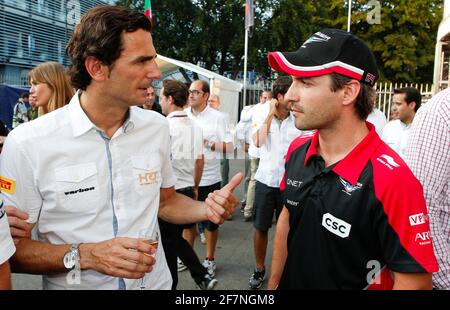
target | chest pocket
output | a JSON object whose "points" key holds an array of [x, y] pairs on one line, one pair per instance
{"points": [[146, 174], [77, 187]]}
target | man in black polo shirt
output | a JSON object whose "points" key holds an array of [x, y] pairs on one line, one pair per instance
{"points": [[354, 215]]}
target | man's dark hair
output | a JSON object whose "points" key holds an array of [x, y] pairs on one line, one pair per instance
{"points": [[365, 97], [411, 94], [177, 90], [281, 85], [99, 34], [24, 95]]}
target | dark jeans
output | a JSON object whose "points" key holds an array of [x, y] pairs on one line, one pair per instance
{"points": [[203, 192], [176, 246]]}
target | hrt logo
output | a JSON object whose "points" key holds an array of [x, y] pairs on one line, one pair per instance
{"points": [[417, 219], [148, 178], [336, 226], [424, 238]]}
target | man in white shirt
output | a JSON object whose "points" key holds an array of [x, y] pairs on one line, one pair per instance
{"points": [[7, 249], [273, 138], [187, 162], [217, 140], [406, 101], [214, 102], [95, 173], [261, 108], [376, 117]]}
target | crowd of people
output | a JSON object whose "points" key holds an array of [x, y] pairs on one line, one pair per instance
{"points": [[354, 196]]}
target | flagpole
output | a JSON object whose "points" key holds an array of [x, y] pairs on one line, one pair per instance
{"points": [[349, 15], [245, 67]]}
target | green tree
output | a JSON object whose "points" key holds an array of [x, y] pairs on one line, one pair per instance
{"points": [[212, 31], [404, 40]]}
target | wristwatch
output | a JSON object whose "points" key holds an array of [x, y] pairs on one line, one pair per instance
{"points": [[72, 257]]}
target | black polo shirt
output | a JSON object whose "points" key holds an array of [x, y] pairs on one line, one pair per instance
{"points": [[355, 221]]}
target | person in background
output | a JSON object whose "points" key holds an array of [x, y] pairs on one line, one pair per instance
{"points": [[187, 162], [428, 156], [272, 138], [406, 101], [21, 110], [216, 141], [377, 118], [50, 87], [261, 108], [150, 102]]}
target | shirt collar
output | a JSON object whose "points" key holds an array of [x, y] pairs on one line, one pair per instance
{"points": [[177, 114], [81, 122], [205, 110], [352, 165]]}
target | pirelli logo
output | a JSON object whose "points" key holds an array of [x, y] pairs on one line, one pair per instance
{"points": [[7, 185]]}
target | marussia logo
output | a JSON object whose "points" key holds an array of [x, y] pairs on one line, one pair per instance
{"points": [[317, 37], [348, 187], [388, 161]]}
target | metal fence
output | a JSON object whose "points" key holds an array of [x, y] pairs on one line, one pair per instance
{"points": [[385, 92]]}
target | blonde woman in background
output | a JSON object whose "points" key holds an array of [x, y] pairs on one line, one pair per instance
{"points": [[50, 87]]}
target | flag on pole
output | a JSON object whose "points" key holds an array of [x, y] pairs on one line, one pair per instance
{"points": [[148, 10], [249, 14]]}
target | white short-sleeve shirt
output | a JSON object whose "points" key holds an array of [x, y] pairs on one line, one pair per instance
{"points": [[187, 146], [272, 154], [395, 134], [378, 119], [259, 114], [7, 247], [215, 129], [83, 187]]}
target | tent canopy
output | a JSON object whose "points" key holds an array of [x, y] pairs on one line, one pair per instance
{"points": [[227, 89]]}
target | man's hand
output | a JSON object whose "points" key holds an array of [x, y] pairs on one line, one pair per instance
{"points": [[17, 223], [122, 257], [221, 203]]}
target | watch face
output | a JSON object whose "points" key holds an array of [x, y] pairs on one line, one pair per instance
{"points": [[69, 260]]}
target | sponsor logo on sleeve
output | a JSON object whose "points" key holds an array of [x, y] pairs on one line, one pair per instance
{"points": [[418, 219], [7, 185], [423, 238], [388, 161], [336, 226]]}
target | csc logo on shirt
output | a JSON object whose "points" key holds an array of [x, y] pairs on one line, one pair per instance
{"points": [[336, 226]]}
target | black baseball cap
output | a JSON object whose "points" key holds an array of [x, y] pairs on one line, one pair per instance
{"points": [[328, 51]]}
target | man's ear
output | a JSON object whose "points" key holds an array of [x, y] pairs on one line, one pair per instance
{"points": [[350, 92], [170, 100], [96, 69], [412, 105]]}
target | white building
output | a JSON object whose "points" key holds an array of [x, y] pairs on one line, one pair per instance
{"points": [[442, 56]]}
